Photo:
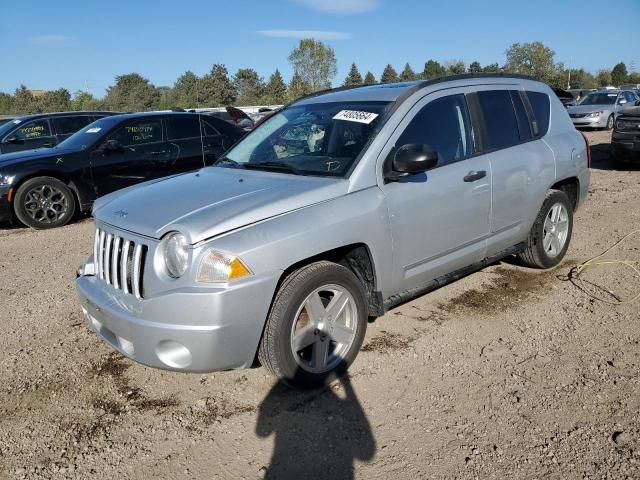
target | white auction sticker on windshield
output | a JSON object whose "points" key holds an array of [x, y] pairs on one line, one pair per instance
{"points": [[355, 116], [93, 130]]}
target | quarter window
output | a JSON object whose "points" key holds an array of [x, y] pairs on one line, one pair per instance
{"points": [[499, 119], [183, 127], [540, 105], [32, 130], [139, 132], [444, 125], [67, 125]]}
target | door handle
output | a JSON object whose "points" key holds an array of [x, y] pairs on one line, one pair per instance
{"points": [[162, 152], [474, 175], [48, 144]]}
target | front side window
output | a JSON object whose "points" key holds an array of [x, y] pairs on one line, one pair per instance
{"points": [[68, 125], [139, 132], [443, 125], [499, 119], [183, 127], [315, 139], [33, 130]]}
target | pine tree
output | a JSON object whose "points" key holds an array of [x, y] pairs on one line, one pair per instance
{"points": [[407, 74], [432, 69], [216, 88], [475, 67], [354, 77], [249, 86], [275, 92], [298, 87], [369, 79], [389, 75]]}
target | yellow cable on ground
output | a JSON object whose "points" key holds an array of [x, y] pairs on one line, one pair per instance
{"points": [[598, 260]]}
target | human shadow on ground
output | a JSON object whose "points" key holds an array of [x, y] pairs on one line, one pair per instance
{"points": [[318, 434]]}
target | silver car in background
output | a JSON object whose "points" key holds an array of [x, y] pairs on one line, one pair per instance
{"points": [[337, 208], [599, 109]]}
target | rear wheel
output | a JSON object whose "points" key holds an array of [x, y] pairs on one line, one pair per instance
{"points": [[44, 202], [550, 235], [316, 325]]}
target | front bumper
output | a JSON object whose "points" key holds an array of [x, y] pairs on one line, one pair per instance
{"points": [[5, 206], [190, 330], [625, 145], [593, 122]]}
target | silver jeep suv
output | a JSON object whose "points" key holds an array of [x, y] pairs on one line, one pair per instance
{"points": [[337, 208]]}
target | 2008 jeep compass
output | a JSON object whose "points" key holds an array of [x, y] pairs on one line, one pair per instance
{"points": [[337, 208]]}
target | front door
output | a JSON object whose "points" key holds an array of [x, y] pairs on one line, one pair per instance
{"points": [[141, 150], [439, 219]]}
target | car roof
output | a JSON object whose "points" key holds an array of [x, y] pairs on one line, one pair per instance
{"points": [[35, 116], [391, 92], [127, 116]]}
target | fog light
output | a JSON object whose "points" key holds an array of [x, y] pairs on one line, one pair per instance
{"points": [[173, 354]]}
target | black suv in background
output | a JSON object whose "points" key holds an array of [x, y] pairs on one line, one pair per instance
{"points": [[625, 139], [43, 130], [43, 188]]}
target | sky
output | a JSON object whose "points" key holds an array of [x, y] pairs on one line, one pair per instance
{"points": [[84, 45]]}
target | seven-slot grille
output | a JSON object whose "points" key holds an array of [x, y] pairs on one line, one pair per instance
{"points": [[119, 262], [578, 115]]}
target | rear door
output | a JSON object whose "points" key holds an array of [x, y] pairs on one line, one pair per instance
{"points": [[184, 143], [522, 165], [66, 126], [214, 141], [29, 135], [142, 148], [439, 219]]}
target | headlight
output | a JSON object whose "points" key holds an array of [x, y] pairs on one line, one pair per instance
{"points": [[594, 114], [622, 125], [175, 253], [6, 179], [216, 267]]}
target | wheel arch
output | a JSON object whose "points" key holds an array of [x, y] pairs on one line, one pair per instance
{"points": [[571, 187]]}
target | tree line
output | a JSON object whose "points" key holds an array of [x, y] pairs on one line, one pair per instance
{"points": [[314, 68]]}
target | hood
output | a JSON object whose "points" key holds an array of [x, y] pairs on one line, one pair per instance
{"points": [[631, 112], [589, 108], [26, 155], [212, 201]]}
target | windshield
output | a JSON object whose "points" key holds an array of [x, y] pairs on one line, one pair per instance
{"points": [[7, 126], [87, 136], [317, 139], [599, 99]]}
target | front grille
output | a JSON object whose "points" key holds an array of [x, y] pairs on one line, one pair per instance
{"points": [[577, 115], [119, 262]]}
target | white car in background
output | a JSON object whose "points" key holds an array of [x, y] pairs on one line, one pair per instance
{"points": [[599, 109]]}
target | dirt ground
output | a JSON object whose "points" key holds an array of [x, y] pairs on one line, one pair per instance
{"points": [[508, 373]]}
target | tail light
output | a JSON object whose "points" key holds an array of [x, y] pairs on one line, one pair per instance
{"points": [[586, 141]]}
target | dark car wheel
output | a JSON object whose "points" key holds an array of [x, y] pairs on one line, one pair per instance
{"points": [[44, 202], [551, 232], [316, 325]]}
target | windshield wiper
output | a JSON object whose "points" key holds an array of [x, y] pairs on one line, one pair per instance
{"points": [[228, 161], [285, 167]]}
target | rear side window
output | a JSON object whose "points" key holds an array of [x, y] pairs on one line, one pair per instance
{"points": [[31, 130], [139, 132], [499, 118], [209, 129], [67, 125], [524, 127], [183, 127], [540, 106], [444, 125]]}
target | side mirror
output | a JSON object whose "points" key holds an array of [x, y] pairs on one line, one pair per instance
{"points": [[622, 102], [111, 146], [14, 140], [410, 159]]}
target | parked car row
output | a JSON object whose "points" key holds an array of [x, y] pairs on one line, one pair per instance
{"points": [[43, 188]]}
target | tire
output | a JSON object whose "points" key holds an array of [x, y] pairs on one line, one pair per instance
{"points": [[44, 202], [609, 123], [307, 352], [542, 250]]}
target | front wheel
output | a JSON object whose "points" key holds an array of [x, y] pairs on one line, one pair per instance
{"points": [[44, 202], [316, 325], [549, 237], [610, 122]]}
